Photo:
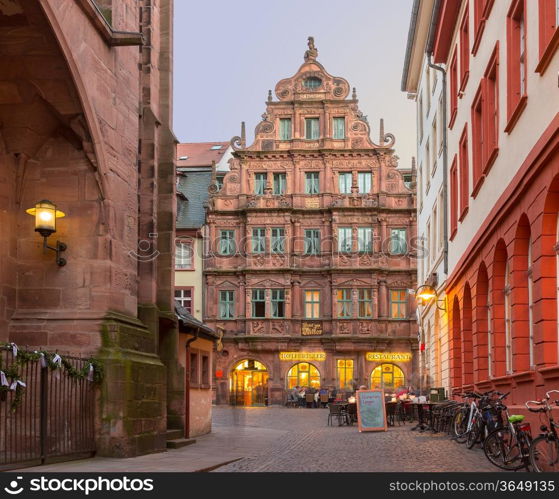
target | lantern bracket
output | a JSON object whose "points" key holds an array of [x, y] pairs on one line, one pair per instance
{"points": [[60, 247]]}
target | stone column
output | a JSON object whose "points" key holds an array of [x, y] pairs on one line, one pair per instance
{"points": [[242, 295], [384, 244], [296, 299], [383, 300]]}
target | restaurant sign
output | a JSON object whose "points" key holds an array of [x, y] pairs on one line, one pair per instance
{"points": [[311, 329], [302, 356], [388, 356]]}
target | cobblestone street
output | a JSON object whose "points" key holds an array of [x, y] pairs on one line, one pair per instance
{"points": [[293, 440], [306, 443]]}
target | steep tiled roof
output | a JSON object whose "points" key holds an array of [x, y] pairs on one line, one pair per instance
{"points": [[194, 187], [200, 153]]}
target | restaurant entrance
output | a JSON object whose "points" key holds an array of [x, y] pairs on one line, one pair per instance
{"points": [[249, 384]]}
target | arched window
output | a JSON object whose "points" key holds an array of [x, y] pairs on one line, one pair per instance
{"points": [[387, 377], [248, 383], [303, 374]]}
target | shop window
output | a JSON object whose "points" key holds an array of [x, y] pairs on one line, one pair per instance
{"points": [[248, 384], [303, 374], [345, 374], [387, 377]]}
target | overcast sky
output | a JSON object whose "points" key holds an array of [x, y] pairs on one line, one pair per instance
{"points": [[229, 53]]}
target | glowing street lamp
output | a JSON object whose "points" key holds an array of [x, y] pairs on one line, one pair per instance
{"points": [[45, 214], [426, 293]]}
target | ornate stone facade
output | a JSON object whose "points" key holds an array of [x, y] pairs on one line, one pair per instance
{"points": [[312, 167]]}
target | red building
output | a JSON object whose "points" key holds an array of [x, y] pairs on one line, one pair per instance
{"points": [[309, 250], [503, 144]]}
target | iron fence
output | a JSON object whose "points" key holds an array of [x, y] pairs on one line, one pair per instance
{"points": [[53, 421]]}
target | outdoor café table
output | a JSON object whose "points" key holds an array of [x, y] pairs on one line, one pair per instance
{"points": [[423, 425]]}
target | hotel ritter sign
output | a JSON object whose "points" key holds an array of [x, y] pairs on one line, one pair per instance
{"points": [[388, 356], [302, 356]]}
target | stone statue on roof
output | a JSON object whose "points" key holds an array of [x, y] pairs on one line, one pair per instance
{"points": [[312, 53]]}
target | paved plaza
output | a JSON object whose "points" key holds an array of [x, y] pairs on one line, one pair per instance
{"points": [[295, 440]]}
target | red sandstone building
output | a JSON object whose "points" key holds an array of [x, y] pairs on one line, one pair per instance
{"points": [[503, 138], [309, 250]]}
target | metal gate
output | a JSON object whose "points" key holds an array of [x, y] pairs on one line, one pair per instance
{"points": [[55, 419]]}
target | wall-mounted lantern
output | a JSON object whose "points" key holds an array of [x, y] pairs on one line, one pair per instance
{"points": [[426, 293], [45, 214]]}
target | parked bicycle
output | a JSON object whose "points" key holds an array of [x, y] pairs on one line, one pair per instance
{"points": [[544, 451], [509, 447]]}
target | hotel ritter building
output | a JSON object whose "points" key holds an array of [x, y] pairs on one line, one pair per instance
{"points": [[310, 250]]}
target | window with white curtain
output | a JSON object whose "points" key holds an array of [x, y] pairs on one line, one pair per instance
{"points": [[260, 180], [312, 128], [312, 183], [183, 255], [364, 182], [285, 128], [344, 239], [365, 239], [398, 240], [338, 125], [345, 182]]}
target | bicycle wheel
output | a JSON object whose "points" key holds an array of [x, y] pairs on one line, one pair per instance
{"points": [[473, 434], [502, 449], [460, 425], [544, 454]]}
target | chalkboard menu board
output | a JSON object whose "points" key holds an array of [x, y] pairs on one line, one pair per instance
{"points": [[371, 411]]}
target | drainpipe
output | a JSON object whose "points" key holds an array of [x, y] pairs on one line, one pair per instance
{"points": [[441, 69], [187, 384]]}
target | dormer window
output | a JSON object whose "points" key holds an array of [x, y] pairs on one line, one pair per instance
{"points": [[312, 82], [285, 128], [338, 126]]}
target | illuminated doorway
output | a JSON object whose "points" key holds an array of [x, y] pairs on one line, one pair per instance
{"points": [[389, 377], [248, 384], [303, 374]]}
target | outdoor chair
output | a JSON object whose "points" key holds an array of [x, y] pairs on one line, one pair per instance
{"points": [[309, 398], [324, 399], [291, 401], [390, 413], [338, 412]]}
